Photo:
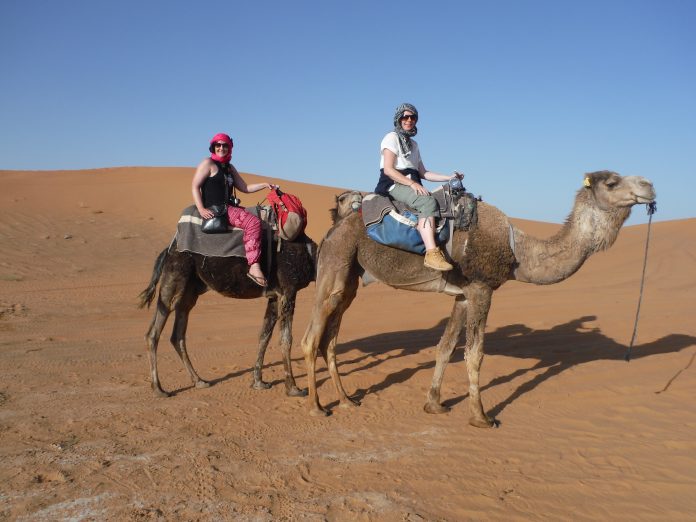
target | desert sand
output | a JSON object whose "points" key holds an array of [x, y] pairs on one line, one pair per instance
{"points": [[583, 434]]}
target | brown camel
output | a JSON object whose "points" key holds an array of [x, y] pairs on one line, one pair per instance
{"points": [[184, 276], [493, 252]]}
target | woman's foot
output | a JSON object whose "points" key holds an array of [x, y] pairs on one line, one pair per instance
{"points": [[256, 275], [436, 260]]}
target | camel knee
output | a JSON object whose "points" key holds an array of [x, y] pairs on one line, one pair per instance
{"points": [[444, 353], [334, 300], [309, 346]]}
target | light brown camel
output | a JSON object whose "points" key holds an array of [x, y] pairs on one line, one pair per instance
{"points": [[491, 253], [184, 276]]}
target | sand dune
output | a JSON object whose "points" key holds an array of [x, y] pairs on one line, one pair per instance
{"points": [[583, 436]]}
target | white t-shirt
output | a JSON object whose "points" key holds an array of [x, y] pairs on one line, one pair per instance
{"points": [[391, 142]]}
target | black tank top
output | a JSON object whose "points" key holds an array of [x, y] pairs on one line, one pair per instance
{"points": [[213, 190]]}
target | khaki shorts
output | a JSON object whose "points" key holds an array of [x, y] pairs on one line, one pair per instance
{"points": [[425, 206]]}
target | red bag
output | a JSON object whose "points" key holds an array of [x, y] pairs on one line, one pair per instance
{"points": [[292, 216]]}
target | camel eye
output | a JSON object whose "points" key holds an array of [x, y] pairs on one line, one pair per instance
{"points": [[611, 184]]}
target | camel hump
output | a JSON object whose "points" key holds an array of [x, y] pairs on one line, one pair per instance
{"points": [[493, 220]]}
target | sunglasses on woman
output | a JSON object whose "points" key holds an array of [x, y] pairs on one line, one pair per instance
{"points": [[222, 145], [412, 117]]}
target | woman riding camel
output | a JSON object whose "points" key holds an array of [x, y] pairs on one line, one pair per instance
{"points": [[208, 188], [401, 171]]}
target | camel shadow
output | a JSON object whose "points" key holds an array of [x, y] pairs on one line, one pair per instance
{"points": [[370, 346], [562, 347], [555, 350], [215, 381], [378, 349]]}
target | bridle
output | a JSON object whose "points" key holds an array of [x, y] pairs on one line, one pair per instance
{"points": [[651, 208]]}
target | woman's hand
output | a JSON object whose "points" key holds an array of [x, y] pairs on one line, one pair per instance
{"points": [[255, 187], [206, 214], [419, 189]]}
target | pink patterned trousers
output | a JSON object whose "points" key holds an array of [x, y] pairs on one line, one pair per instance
{"points": [[251, 225]]}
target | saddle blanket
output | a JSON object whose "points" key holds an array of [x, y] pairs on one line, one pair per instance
{"points": [[392, 223], [190, 237]]}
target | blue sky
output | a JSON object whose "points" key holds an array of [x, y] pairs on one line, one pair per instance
{"points": [[522, 96]]}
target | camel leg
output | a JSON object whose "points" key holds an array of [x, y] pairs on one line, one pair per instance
{"points": [[269, 321], [311, 342], [152, 338], [178, 339], [337, 279], [323, 329], [445, 348], [286, 307], [479, 298], [330, 348]]}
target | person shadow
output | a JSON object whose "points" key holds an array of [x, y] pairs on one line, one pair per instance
{"points": [[555, 350]]}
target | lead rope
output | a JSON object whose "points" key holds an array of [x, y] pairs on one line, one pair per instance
{"points": [[651, 208]]}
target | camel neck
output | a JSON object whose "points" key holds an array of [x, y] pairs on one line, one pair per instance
{"points": [[547, 261]]}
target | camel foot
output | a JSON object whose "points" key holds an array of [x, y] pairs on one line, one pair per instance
{"points": [[202, 384], [294, 391], [159, 393], [435, 408], [350, 403], [319, 412], [261, 385], [484, 422]]}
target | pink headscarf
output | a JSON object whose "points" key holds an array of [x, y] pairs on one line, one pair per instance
{"points": [[224, 138]]}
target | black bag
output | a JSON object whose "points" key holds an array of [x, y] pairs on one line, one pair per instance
{"points": [[218, 223]]}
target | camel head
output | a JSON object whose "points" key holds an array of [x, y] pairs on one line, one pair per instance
{"points": [[610, 191], [347, 203], [601, 208]]}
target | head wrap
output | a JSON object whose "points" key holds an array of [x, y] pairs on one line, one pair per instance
{"points": [[404, 136], [218, 138]]}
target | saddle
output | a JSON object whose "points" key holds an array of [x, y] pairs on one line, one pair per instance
{"points": [[191, 238], [392, 223]]}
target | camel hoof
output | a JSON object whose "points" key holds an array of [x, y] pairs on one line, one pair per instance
{"points": [[159, 393], [435, 408], [350, 403], [319, 412], [483, 423], [294, 391], [202, 384], [261, 385]]}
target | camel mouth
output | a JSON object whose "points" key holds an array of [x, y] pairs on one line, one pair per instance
{"points": [[640, 199]]}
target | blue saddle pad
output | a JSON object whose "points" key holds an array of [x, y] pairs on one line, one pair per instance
{"points": [[398, 230]]}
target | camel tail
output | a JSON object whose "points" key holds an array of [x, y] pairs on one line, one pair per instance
{"points": [[147, 295]]}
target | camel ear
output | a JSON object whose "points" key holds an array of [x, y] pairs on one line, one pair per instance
{"points": [[587, 182]]}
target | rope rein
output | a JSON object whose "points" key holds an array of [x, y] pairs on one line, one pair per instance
{"points": [[651, 208]]}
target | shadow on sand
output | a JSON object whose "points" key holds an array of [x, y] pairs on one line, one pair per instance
{"points": [[555, 349]]}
